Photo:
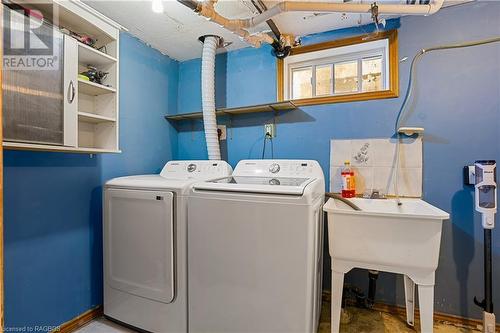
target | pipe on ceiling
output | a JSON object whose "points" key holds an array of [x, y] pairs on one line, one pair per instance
{"points": [[207, 10], [326, 7], [239, 26]]}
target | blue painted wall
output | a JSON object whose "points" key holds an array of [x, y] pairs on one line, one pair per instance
{"points": [[148, 91], [53, 238], [458, 104]]}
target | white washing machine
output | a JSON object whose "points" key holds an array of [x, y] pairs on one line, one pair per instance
{"points": [[255, 249], [145, 277]]}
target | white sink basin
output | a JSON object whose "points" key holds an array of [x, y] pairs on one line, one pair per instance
{"points": [[383, 236], [386, 234]]}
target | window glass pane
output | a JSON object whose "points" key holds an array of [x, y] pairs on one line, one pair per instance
{"points": [[372, 74], [346, 77], [323, 80], [301, 83]]}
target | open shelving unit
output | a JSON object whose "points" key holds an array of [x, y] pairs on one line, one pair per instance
{"points": [[98, 103], [270, 107]]}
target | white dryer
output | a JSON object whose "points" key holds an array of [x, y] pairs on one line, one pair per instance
{"points": [[145, 279], [255, 249]]}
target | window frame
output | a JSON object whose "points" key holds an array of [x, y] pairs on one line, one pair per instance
{"points": [[391, 64]]}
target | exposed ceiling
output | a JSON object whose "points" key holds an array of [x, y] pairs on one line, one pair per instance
{"points": [[176, 31]]}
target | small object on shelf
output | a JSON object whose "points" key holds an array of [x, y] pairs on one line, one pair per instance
{"points": [[83, 77], [94, 75], [82, 38]]}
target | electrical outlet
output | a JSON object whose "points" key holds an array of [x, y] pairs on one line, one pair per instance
{"points": [[271, 129], [221, 131]]}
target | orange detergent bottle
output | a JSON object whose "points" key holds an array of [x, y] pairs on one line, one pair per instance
{"points": [[348, 181]]}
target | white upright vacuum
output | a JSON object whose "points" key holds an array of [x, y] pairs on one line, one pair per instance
{"points": [[484, 180]]}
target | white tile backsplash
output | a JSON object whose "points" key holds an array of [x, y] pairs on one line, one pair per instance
{"points": [[383, 179], [383, 153], [410, 181], [364, 179], [342, 149], [411, 155], [335, 179], [374, 161], [361, 153]]}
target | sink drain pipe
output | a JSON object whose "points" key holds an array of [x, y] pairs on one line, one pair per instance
{"points": [[210, 45], [372, 288]]}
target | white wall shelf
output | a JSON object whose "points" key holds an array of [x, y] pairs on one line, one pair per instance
{"points": [[93, 89], [94, 118], [64, 149], [89, 55]]}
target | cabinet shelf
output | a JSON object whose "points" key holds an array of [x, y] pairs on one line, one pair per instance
{"points": [[270, 107], [93, 89], [94, 118], [40, 147], [89, 56]]}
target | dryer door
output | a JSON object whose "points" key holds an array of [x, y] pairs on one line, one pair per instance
{"points": [[139, 243]]}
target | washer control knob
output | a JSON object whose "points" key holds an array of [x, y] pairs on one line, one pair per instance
{"points": [[274, 181], [274, 168], [191, 167]]}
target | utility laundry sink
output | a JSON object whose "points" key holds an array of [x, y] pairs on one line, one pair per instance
{"points": [[384, 233], [385, 236]]}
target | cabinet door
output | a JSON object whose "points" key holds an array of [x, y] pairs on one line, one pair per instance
{"points": [[70, 91], [32, 97]]}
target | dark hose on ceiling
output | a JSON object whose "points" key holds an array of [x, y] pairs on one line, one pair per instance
{"points": [[190, 4]]}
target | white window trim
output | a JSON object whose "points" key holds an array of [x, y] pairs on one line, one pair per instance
{"points": [[336, 55]]}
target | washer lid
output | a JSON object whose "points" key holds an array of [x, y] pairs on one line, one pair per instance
{"points": [[270, 185]]}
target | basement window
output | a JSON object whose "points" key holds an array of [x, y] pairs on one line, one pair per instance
{"points": [[353, 69]]}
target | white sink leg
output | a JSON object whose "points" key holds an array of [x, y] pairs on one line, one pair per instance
{"points": [[410, 300], [426, 306], [337, 287]]}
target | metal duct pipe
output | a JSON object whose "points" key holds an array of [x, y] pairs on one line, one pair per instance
{"points": [[210, 45]]}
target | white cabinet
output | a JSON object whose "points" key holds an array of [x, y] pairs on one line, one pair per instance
{"points": [[66, 112]]}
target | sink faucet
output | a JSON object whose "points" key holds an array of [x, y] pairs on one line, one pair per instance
{"points": [[375, 194]]}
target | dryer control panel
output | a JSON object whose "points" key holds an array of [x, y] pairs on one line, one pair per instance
{"points": [[279, 168], [199, 169]]}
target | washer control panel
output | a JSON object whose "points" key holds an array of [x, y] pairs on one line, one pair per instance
{"points": [[278, 168], [196, 169]]}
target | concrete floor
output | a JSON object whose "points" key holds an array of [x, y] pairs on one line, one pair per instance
{"points": [[361, 321]]}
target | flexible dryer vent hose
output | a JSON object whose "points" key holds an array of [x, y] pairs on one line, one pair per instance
{"points": [[210, 45]]}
